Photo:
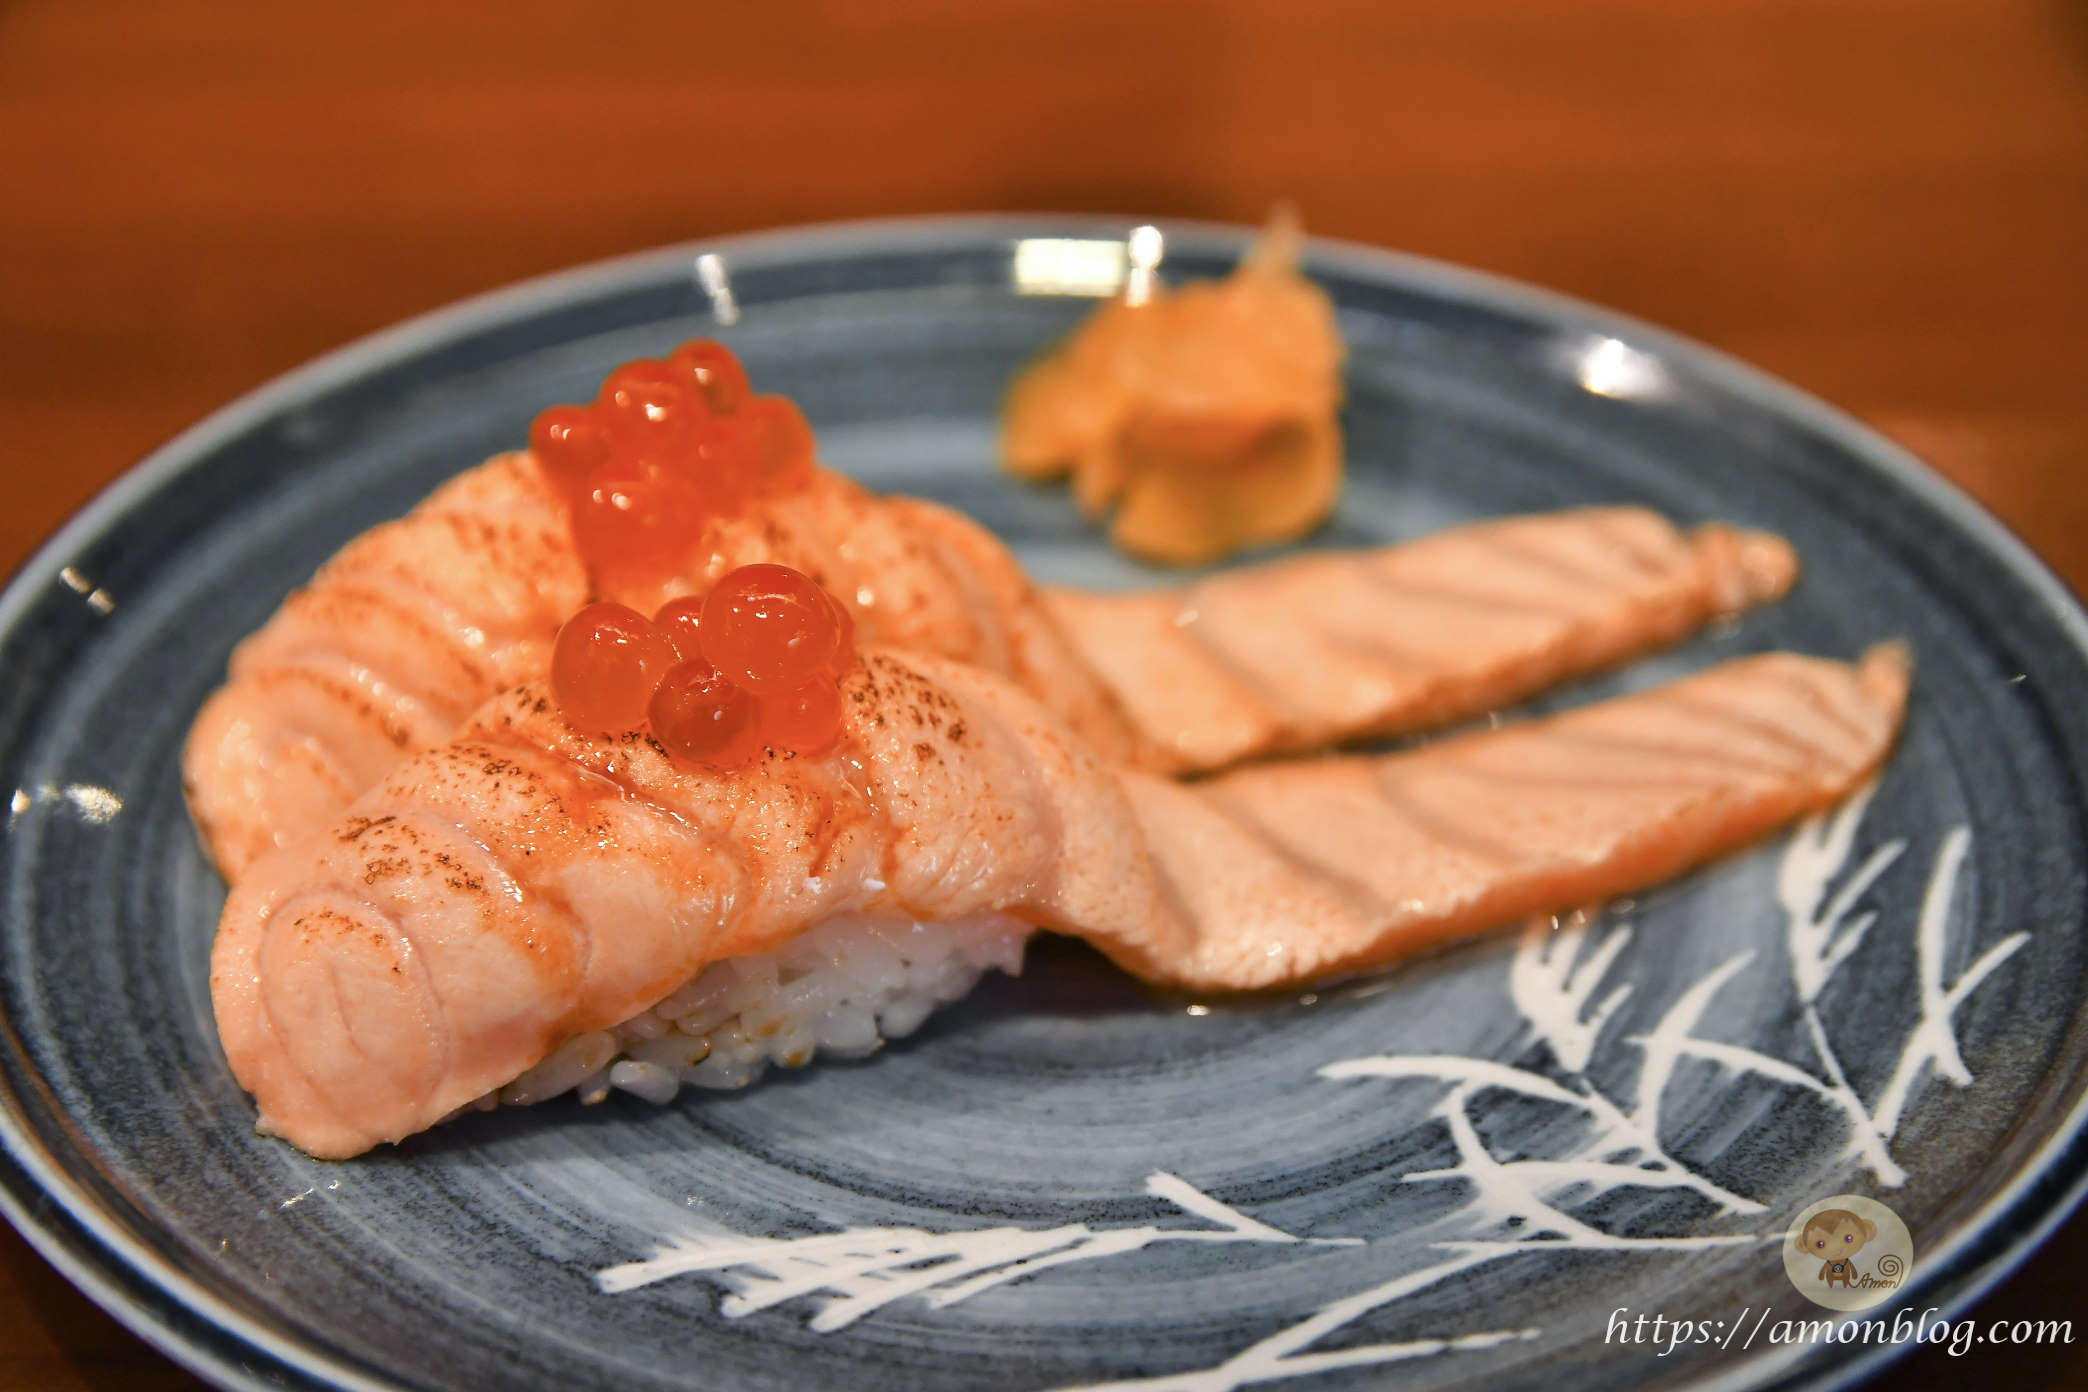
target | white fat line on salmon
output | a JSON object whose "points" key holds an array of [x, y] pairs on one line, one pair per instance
{"points": [[865, 1269]]}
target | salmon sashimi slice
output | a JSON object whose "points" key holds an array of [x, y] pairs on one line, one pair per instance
{"points": [[501, 896], [417, 622], [1301, 653]]}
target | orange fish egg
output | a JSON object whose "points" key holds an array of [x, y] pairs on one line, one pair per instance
{"points": [[569, 442], [682, 621], [668, 447], [806, 720], [785, 642], [605, 664], [775, 445], [701, 718], [635, 514], [711, 366], [771, 629]]}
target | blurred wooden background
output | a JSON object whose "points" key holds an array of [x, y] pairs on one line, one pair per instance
{"points": [[1884, 200]]}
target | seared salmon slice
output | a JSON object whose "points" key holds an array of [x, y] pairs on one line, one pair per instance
{"points": [[419, 621], [1301, 870], [504, 893], [398, 637], [1314, 650]]}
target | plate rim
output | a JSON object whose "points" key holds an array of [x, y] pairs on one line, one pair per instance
{"points": [[154, 1299]]}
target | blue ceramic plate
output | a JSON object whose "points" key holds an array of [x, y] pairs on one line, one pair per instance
{"points": [[1455, 1173]]}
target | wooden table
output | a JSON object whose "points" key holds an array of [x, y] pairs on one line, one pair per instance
{"points": [[1883, 200]]}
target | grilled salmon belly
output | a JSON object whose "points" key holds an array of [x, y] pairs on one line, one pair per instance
{"points": [[420, 620], [501, 894]]}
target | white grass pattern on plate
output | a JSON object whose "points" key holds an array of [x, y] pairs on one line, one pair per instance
{"points": [[1513, 1208]]}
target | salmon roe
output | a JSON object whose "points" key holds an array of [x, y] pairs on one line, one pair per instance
{"points": [[753, 665], [702, 718], [681, 620], [668, 446], [770, 628], [605, 664], [807, 719]]}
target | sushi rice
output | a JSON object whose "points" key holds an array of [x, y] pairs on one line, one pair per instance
{"points": [[839, 989]]}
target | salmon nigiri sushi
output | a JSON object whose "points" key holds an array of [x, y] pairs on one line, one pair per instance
{"points": [[420, 620], [536, 906]]}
